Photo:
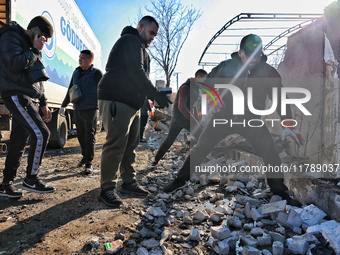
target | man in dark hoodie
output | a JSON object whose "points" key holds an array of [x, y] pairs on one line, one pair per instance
{"points": [[20, 49], [122, 92], [247, 68], [181, 115]]}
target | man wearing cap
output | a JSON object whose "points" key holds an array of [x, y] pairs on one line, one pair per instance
{"points": [[246, 69], [21, 49]]}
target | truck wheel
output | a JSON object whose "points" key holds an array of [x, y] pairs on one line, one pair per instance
{"points": [[58, 128]]}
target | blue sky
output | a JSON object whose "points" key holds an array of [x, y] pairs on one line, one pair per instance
{"points": [[107, 18]]}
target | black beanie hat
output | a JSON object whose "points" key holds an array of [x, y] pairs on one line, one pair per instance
{"points": [[41, 22]]}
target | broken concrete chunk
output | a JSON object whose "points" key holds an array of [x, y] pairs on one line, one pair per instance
{"points": [[312, 215], [281, 230], [234, 221], [187, 220], [277, 248], [244, 199], [282, 219], [190, 190], [249, 250], [150, 243], [264, 240], [220, 232], [156, 211], [231, 189], [255, 232], [266, 252], [249, 240], [297, 245], [274, 207], [201, 215], [277, 237], [275, 198], [142, 251], [294, 218], [332, 233], [221, 247], [248, 226], [268, 222], [194, 235], [255, 214], [216, 217], [214, 177]]}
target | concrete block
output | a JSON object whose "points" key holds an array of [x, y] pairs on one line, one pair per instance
{"points": [[231, 189], [247, 209], [201, 216], [274, 207], [297, 230], [268, 222], [255, 214], [222, 209], [281, 230], [216, 217], [312, 215], [264, 240], [249, 250], [234, 221], [220, 232], [277, 248], [250, 185], [282, 219], [194, 235], [249, 240], [277, 237], [332, 234], [255, 232], [232, 240], [248, 226], [297, 245], [244, 199], [294, 218], [266, 252], [239, 184], [156, 211], [239, 212], [221, 247]]}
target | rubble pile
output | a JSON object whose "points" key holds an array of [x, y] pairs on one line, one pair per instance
{"points": [[216, 214]]}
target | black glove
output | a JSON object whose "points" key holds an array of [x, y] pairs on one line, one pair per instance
{"points": [[162, 100]]}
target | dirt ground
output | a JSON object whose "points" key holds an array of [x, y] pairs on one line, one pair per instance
{"points": [[64, 221]]}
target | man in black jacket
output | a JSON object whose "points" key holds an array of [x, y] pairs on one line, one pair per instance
{"points": [[20, 49], [181, 116], [247, 68], [87, 78], [122, 92]]}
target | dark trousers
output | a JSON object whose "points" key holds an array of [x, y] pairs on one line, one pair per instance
{"points": [[26, 123], [86, 123], [259, 138], [143, 118], [177, 123]]}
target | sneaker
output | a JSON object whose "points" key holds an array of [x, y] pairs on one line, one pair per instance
{"points": [[88, 168], [36, 185], [110, 198], [8, 190], [133, 188], [174, 185], [81, 162]]}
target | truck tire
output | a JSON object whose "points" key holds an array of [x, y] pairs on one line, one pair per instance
{"points": [[58, 129]]}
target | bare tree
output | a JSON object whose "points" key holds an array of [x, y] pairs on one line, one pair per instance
{"points": [[175, 21]]}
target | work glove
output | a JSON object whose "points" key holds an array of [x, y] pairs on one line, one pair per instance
{"points": [[62, 112], [162, 100], [292, 132]]}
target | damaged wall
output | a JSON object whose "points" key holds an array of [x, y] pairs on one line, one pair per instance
{"points": [[311, 62]]}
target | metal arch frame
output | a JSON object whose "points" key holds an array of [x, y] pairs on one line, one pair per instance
{"points": [[264, 16]]}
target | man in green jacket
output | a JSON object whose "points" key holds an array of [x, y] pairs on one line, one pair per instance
{"points": [[121, 93]]}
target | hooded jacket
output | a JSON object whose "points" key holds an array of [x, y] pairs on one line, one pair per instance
{"points": [[127, 70], [262, 79], [16, 55]]}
